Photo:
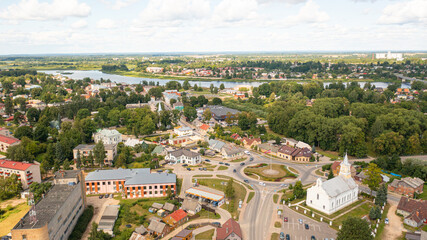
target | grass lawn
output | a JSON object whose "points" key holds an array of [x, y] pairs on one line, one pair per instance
{"points": [[222, 168], [358, 212], [208, 235], [423, 196], [281, 172], [277, 225], [293, 170], [337, 212], [239, 193], [275, 198], [251, 195], [223, 176], [239, 159], [10, 218], [275, 236], [202, 175], [329, 154], [318, 172], [206, 214]]}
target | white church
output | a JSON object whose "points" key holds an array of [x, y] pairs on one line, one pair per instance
{"points": [[332, 195]]}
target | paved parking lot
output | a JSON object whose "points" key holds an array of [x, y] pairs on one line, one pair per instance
{"points": [[297, 231]]}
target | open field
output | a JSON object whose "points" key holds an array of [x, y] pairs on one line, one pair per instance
{"points": [[11, 217], [205, 235]]}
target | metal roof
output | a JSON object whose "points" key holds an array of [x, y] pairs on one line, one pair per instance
{"points": [[151, 178], [337, 185], [116, 174], [206, 192]]}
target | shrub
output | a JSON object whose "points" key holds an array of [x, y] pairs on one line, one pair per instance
{"points": [[82, 224]]}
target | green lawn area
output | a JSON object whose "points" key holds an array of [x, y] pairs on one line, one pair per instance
{"points": [[11, 217], [318, 172], [274, 236], [358, 212], [277, 225], [239, 159], [208, 235], [329, 154], [281, 172], [206, 214], [423, 196], [239, 193], [275, 198], [337, 212], [222, 168], [251, 195], [202, 175]]}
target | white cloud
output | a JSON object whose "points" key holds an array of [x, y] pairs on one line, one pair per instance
{"points": [[282, 1], [413, 11], [235, 10], [106, 23], [118, 4], [55, 10], [169, 13], [82, 23], [309, 13]]}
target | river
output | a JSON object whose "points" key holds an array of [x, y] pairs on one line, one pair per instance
{"points": [[97, 75]]}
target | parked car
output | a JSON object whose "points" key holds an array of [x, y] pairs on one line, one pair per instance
{"points": [[247, 152], [101, 196], [285, 219], [184, 165], [217, 224], [386, 221], [128, 225], [306, 226], [246, 181], [282, 235], [207, 160], [221, 163], [107, 195], [241, 164], [234, 170], [226, 164], [159, 170], [288, 237], [313, 238], [201, 169], [251, 159], [300, 221], [189, 169]]}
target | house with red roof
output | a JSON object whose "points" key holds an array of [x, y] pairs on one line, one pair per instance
{"points": [[6, 142], [296, 154], [229, 230], [235, 136], [176, 218], [206, 128], [249, 142], [26, 172], [413, 211]]}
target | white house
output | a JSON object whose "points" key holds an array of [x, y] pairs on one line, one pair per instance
{"points": [[184, 156], [108, 136], [183, 131], [334, 194]]}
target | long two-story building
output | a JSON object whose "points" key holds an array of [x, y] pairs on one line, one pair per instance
{"points": [[133, 183]]}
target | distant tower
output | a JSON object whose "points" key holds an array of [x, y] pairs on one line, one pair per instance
{"points": [[345, 168]]}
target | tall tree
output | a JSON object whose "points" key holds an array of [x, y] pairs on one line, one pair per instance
{"points": [[8, 106], [354, 229], [207, 115], [190, 113], [99, 153], [229, 191], [373, 176]]}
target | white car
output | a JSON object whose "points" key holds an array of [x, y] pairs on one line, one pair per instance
{"points": [[247, 152], [386, 221]]}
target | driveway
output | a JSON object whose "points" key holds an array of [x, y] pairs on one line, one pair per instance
{"points": [[395, 227], [98, 208]]}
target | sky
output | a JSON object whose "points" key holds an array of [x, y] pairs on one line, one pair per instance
{"points": [[144, 26]]}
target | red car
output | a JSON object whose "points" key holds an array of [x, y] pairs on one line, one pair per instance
{"points": [[285, 219]]}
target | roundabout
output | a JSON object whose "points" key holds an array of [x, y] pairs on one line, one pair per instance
{"points": [[269, 172]]}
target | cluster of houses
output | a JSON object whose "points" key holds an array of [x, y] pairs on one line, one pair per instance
{"points": [[289, 150]]}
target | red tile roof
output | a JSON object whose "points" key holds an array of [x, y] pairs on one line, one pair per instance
{"points": [[15, 165], [204, 127], [417, 209], [335, 165], [178, 215], [235, 136], [8, 140], [227, 228]]}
